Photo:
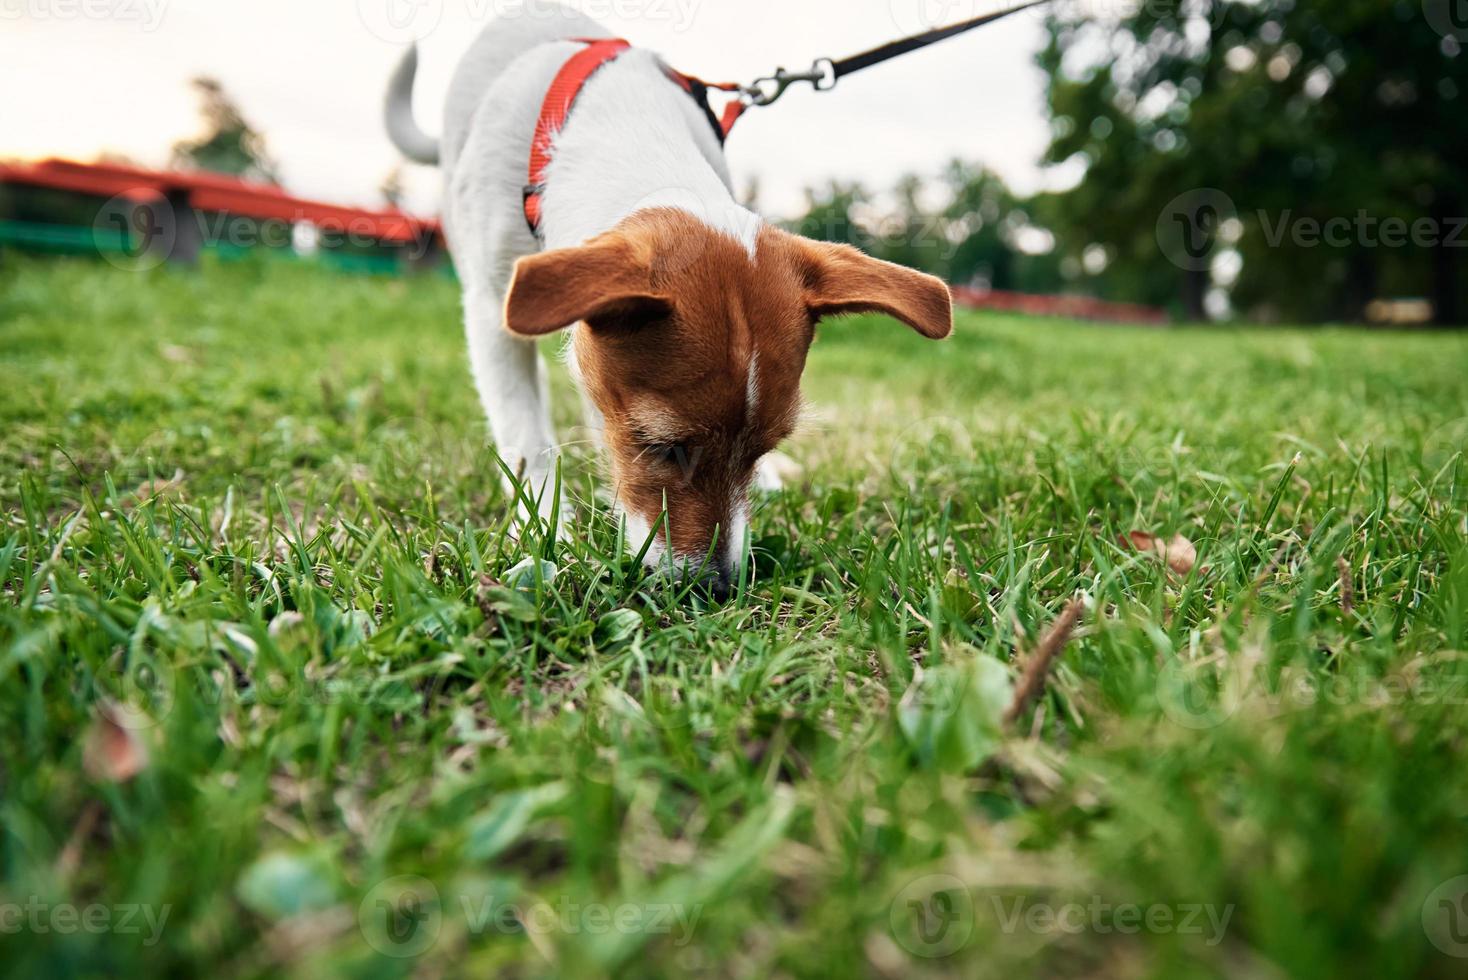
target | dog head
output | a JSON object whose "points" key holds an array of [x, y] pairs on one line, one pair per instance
{"points": [[692, 348]]}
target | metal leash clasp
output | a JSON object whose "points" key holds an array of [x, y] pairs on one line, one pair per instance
{"points": [[764, 91]]}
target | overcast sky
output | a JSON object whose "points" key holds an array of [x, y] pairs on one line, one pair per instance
{"points": [[78, 77]]}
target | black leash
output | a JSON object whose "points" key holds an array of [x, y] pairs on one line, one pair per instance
{"points": [[824, 73]]}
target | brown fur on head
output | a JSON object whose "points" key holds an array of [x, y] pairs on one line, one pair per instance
{"points": [[692, 350]]}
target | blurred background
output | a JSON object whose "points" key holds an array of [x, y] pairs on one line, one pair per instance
{"points": [[1142, 160]]}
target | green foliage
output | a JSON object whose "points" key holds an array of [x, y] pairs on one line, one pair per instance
{"points": [[969, 238], [952, 715], [250, 508], [229, 144], [1306, 110]]}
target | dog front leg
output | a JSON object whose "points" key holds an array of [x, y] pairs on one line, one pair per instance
{"points": [[513, 388]]}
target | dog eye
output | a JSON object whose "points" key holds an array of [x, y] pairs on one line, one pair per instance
{"points": [[668, 452]]}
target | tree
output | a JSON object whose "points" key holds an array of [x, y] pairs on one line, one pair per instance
{"points": [[1300, 111], [228, 145], [828, 216], [966, 233], [978, 208], [391, 187]]}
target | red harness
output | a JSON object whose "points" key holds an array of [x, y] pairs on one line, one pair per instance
{"points": [[567, 87]]}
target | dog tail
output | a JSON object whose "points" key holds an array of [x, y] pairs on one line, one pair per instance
{"points": [[411, 141]]}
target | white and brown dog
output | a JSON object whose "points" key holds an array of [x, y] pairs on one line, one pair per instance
{"points": [[690, 316]]}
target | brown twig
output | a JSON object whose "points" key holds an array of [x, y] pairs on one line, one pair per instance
{"points": [[1348, 592], [1032, 682], [71, 855]]}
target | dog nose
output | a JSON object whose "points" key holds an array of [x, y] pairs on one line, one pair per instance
{"points": [[720, 586]]}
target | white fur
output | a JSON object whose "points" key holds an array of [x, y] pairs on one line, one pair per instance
{"points": [[634, 140], [637, 531], [767, 477], [751, 389], [736, 548]]}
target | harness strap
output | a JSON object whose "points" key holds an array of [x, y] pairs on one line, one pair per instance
{"points": [[895, 49], [559, 99], [699, 89], [824, 73], [565, 90]]}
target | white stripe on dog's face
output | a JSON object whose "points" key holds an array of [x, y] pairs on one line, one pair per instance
{"points": [[693, 352], [736, 545], [696, 380], [751, 389]]}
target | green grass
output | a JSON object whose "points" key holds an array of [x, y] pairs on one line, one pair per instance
{"points": [[253, 511]]}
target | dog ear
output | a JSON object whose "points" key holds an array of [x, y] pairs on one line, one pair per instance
{"points": [[841, 279], [602, 280]]}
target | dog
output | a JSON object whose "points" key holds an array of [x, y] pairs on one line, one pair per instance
{"points": [[689, 316]]}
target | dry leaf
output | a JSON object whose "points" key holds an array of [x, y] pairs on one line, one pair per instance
{"points": [[1141, 541], [1179, 553], [157, 488], [112, 752]]}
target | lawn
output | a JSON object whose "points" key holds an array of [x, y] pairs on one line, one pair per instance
{"points": [[281, 694]]}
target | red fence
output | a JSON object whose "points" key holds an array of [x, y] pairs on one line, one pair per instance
{"points": [[1073, 307], [213, 192]]}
